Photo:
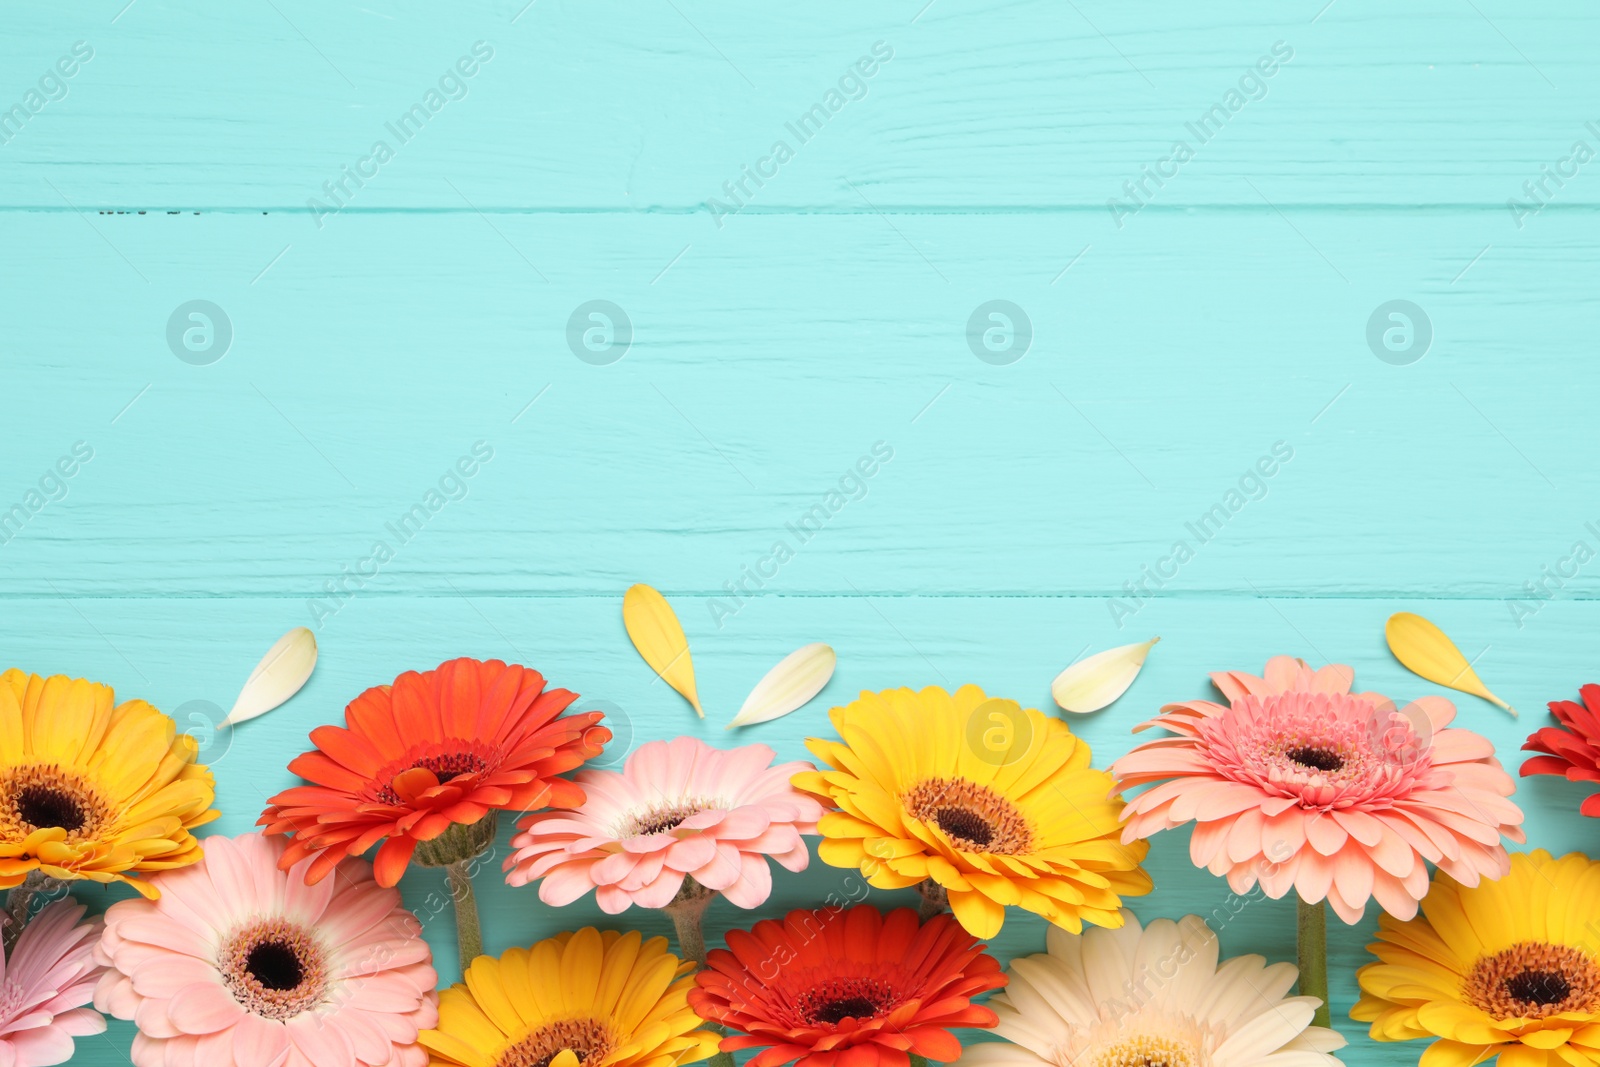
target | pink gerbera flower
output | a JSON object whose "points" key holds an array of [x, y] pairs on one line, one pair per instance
{"points": [[679, 810], [44, 985], [1300, 784], [240, 964]]}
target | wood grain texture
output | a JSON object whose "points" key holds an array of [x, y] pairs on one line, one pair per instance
{"points": [[764, 365], [1181, 329], [628, 107]]}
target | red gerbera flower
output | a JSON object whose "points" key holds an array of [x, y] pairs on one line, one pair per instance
{"points": [[1573, 748], [434, 750], [854, 988]]}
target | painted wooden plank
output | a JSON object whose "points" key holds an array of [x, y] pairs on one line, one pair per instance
{"points": [[1010, 645], [649, 107], [1167, 369]]}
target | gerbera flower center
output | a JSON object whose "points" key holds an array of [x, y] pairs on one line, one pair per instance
{"points": [[275, 965], [587, 1038], [41, 797], [661, 818], [274, 968], [1326, 750], [845, 998], [444, 766], [1318, 759], [976, 818], [40, 805], [1533, 980], [1149, 1050]]}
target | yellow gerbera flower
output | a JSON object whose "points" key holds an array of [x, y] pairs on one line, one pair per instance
{"points": [[1509, 968], [91, 789], [590, 998], [994, 803]]}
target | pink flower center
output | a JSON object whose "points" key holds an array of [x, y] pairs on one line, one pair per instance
{"points": [[274, 968], [1326, 750]]}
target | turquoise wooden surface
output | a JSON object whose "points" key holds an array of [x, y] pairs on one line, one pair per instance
{"points": [[1426, 152]]}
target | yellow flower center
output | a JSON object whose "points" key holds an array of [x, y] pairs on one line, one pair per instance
{"points": [[975, 817], [274, 968], [1150, 1050], [43, 796], [589, 1039], [1534, 980]]}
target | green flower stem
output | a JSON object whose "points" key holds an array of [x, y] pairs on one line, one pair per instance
{"points": [[458, 850], [1312, 939], [688, 911], [469, 931], [918, 1061]]}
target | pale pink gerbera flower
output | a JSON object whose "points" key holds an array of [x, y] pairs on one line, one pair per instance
{"points": [[679, 810], [44, 985], [239, 964], [1301, 784]]}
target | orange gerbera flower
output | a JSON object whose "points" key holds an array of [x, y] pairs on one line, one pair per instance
{"points": [[436, 750], [847, 988]]}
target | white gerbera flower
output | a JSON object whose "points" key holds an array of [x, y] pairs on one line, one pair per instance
{"points": [[1153, 995]]}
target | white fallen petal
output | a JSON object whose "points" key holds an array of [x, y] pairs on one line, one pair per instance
{"points": [[1090, 684], [279, 676], [788, 686]]}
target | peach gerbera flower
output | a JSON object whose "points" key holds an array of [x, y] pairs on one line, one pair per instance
{"points": [[1298, 783], [680, 809], [242, 964], [434, 751]]}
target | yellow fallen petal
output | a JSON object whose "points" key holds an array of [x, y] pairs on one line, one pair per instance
{"points": [[790, 685], [656, 633], [279, 676], [1091, 684], [1424, 650]]}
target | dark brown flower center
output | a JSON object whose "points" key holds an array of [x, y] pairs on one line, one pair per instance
{"points": [[44, 796], [967, 825], [1317, 759], [275, 965], [1538, 987], [274, 968], [1534, 980], [41, 805], [845, 998], [975, 817], [586, 1038]]}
